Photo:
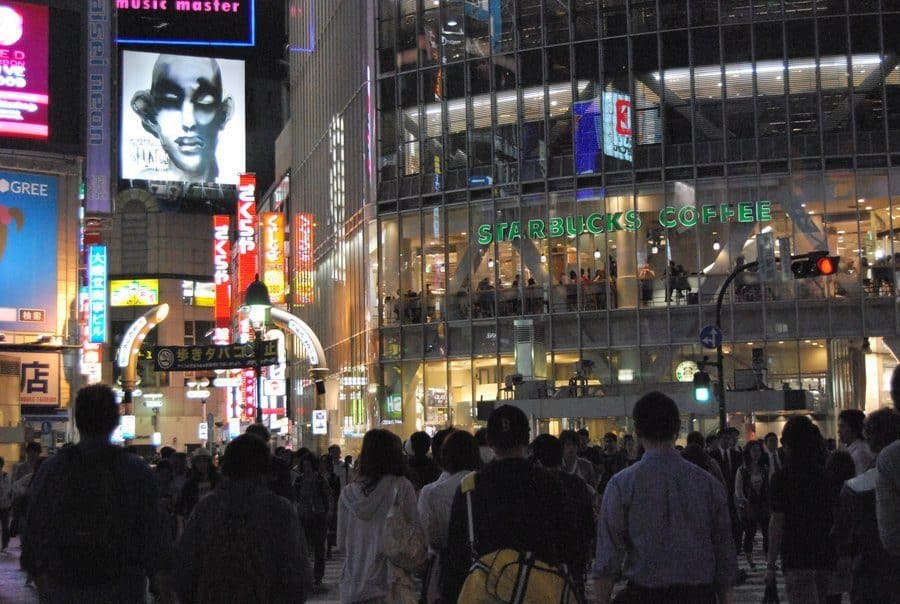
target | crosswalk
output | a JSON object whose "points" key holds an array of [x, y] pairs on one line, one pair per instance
{"points": [[750, 591]]}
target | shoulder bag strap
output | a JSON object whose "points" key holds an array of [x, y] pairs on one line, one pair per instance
{"points": [[467, 486]]}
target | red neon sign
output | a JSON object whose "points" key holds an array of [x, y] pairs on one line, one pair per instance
{"points": [[221, 258], [247, 265]]}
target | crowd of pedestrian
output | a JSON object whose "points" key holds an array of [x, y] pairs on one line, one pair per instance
{"points": [[467, 517]]}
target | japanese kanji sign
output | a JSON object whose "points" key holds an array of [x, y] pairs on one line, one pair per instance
{"points": [[39, 379], [99, 303], [231, 356]]}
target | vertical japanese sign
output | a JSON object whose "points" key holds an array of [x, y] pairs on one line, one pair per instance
{"points": [[617, 133], [99, 128], [28, 252], [24, 68], [97, 276], [247, 269], [39, 379], [272, 231], [91, 354], [221, 259], [303, 236]]}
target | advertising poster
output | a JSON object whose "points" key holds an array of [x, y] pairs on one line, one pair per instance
{"points": [[271, 227], [24, 84], [305, 270], [186, 22], [134, 292], [617, 135], [392, 410], [28, 236], [182, 118], [39, 379]]}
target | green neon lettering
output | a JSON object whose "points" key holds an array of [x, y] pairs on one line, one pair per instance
{"points": [[515, 231], [536, 229], [687, 216], [574, 225], [556, 227], [612, 222], [726, 212], [745, 212], [664, 219], [501, 231], [707, 213], [764, 211], [632, 220], [484, 234], [595, 224]]}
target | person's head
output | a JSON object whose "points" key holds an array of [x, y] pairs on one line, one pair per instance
{"points": [[610, 442], [753, 453], [166, 452], [201, 460], [547, 451], [771, 441], [802, 440], [335, 452], [381, 455], [437, 442], [628, 443], [507, 431], [695, 454], [732, 434], [284, 454], [712, 441], [895, 387], [420, 442], [309, 464], [850, 425], [96, 413], [33, 451], [186, 109], [584, 438], [656, 418], [881, 429], [696, 438], [459, 452], [246, 458], [259, 431], [570, 441]]}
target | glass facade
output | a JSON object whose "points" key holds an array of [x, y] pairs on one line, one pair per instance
{"points": [[600, 166]]}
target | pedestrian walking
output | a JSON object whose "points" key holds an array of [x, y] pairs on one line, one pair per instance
{"points": [[421, 469], [850, 432], [202, 478], [5, 505], [313, 503], [665, 524], [572, 463], [29, 464], [887, 484], [751, 498], [243, 543]]}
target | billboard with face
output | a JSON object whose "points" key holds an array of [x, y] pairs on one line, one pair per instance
{"points": [[176, 110], [24, 86], [28, 231]]}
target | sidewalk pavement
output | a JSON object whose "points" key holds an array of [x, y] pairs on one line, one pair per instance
{"points": [[12, 578]]}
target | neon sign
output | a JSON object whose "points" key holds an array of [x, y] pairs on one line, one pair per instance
{"points": [[97, 293], [272, 232], [24, 85], [247, 266], [222, 278], [303, 235]]}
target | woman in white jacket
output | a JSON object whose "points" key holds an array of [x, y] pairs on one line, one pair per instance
{"points": [[362, 510]]}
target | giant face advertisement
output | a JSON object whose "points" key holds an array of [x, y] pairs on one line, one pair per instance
{"points": [[177, 113], [27, 252], [24, 86]]}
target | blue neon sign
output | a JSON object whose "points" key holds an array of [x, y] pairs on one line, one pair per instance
{"points": [[99, 304]]}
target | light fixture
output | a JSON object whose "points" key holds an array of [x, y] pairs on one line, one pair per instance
{"points": [[654, 250], [452, 23], [597, 254], [491, 263], [716, 245], [543, 258]]}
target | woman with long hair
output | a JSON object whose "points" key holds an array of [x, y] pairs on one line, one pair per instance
{"points": [[362, 510], [751, 497]]}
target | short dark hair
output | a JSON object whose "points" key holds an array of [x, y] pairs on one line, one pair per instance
{"points": [[313, 459], [802, 439], [763, 458], [96, 412], [381, 455], [507, 428], [882, 428], [166, 452], [569, 436], [547, 450], [333, 447], [33, 447], [611, 436], [420, 442], [656, 417], [247, 456], [854, 418], [584, 432], [895, 387], [437, 444], [770, 435], [459, 452], [259, 431], [711, 438], [696, 438]]}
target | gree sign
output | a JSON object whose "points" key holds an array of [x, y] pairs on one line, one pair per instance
{"points": [[669, 217]]}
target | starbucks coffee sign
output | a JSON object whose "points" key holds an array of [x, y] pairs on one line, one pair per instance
{"points": [[595, 224]]}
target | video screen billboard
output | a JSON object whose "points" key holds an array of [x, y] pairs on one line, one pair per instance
{"points": [[24, 68], [187, 22], [178, 111], [28, 234]]}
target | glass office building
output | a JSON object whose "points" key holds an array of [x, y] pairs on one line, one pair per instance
{"points": [[599, 167]]}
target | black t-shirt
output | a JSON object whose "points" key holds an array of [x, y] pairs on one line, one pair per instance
{"points": [[802, 494]]}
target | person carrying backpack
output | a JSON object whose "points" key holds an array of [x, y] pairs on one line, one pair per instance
{"points": [[94, 530]]}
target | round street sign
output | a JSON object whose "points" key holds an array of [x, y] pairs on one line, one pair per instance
{"points": [[711, 336]]}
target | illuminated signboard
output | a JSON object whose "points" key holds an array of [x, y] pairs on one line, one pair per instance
{"points": [[588, 135], [617, 136], [39, 379], [24, 56], [271, 227], [222, 278], [134, 292], [669, 217], [172, 132], [97, 276], [28, 242], [319, 422], [204, 294], [246, 237], [187, 22], [303, 236]]}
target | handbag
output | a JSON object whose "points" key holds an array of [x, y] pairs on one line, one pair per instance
{"points": [[404, 539]]}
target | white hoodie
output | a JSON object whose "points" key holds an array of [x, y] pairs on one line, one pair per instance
{"points": [[360, 535]]}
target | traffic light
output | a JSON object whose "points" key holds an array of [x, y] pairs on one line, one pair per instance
{"points": [[815, 264], [702, 389]]}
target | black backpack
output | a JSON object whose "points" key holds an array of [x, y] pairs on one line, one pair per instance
{"points": [[85, 544]]}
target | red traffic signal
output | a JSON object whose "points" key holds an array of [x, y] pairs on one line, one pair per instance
{"points": [[826, 265], [815, 264]]}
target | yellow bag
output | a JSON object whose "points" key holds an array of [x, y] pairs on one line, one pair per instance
{"points": [[510, 576]]}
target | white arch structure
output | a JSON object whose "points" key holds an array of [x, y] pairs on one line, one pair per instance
{"points": [[314, 351]]}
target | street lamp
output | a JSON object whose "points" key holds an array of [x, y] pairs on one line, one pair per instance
{"points": [[259, 306]]}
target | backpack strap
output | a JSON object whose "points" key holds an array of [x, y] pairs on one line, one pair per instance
{"points": [[467, 486]]}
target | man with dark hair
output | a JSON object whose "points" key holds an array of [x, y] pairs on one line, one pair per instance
{"points": [[612, 461], [577, 466], [260, 553], [850, 431], [664, 523], [515, 505], [887, 483], [774, 453], [421, 469], [95, 531], [728, 456], [26, 467]]}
